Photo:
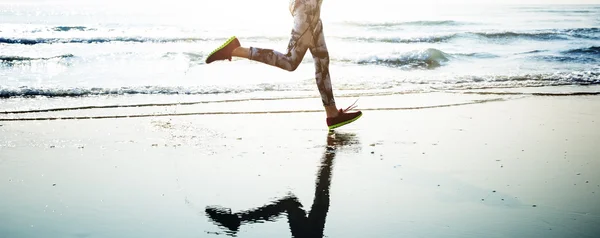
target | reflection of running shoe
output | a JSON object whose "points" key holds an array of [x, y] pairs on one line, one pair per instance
{"points": [[223, 217], [224, 51], [344, 117]]}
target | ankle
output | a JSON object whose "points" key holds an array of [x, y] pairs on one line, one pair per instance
{"points": [[331, 111], [241, 52]]}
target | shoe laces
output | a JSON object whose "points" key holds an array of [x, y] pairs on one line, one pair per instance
{"points": [[350, 107]]}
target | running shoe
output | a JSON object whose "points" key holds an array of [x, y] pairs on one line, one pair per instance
{"points": [[344, 117], [224, 51]]}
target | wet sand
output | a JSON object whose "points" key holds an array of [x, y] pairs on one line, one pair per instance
{"points": [[479, 166]]}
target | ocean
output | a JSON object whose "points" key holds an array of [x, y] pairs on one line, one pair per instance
{"points": [[154, 52]]}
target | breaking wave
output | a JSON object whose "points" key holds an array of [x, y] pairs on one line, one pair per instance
{"points": [[28, 41], [407, 23], [579, 55], [78, 91], [594, 50], [555, 34], [455, 83], [17, 59], [425, 59], [72, 28], [525, 35]]}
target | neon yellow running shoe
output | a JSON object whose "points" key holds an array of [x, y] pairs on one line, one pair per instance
{"points": [[344, 117], [224, 51]]}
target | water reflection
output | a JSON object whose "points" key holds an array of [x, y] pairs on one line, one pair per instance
{"points": [[301, 224]]}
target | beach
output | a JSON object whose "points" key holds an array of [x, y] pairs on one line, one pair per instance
{"points": [[480, 120], [415, 165]]}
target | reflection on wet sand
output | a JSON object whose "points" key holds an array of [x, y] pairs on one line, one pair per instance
{"points": [[301, 224]]}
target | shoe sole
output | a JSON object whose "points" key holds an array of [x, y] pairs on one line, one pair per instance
{"points": [[222, 46], [344, 123]]}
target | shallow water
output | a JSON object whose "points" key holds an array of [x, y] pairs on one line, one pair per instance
{"points": [[82, 49]]}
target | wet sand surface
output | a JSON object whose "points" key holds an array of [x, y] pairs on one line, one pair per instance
{"points": [[472, 166]]}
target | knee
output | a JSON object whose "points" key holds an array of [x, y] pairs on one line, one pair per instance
{"points": [[321, 54], [293, 66]]}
